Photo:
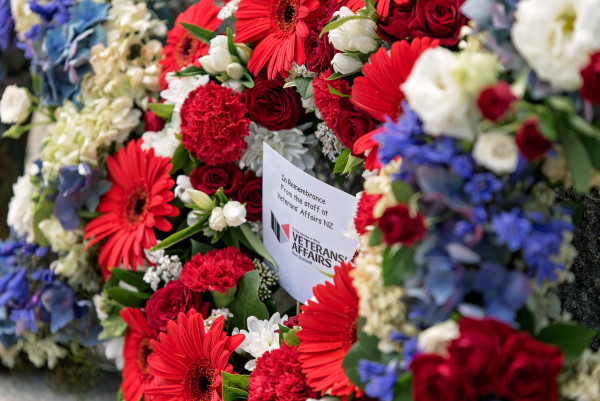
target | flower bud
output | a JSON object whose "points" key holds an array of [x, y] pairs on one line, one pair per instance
{"points": [[14, 106], [201, 199], [345, 64], [235, 70], [235, 213]]}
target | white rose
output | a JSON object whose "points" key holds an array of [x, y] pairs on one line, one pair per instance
{"points": [[358, 35], [217, 221], [218, 57], [434, 94], [557, 37], [235, 213], [345, 64], [435, 340], [14, 106], [497, 152]]}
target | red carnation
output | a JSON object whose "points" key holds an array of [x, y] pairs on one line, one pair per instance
{"points": [[364, 213], [210, 178], [438, 19], [530, 140], [217, 270], [214, 124], [278, 376], [325, 101], [395, 27], [494, 101], [590, 90], [273, 106], [400, 226], [351, 123], [250, 193], [166, 303], [436, 378]]}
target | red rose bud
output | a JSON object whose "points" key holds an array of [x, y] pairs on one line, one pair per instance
{"points": [[250, 193], [395, 26], [166, 303], [531, 143], [399, 226], [351, 123], [494, 101], [209, 179], [438, 19], [590, 90], [272, 106], [435, 379], [152, 122]]}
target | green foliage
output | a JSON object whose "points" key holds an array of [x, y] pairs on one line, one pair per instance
{"points": [[161, 110], [113, 326], [181, 235], [203, 35], [403, 387], [304, 87], [398, 265], [364, 348], [41, 210], [234, 387], [123, 296], [246, 302], [341, 21], [335, 92], [571, 339], [578, 158], [179, 159], [402, 191], [376, 237], [252, 241], [346, 163]]}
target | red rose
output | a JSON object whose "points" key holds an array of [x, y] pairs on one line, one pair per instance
{"points": [[438, 19], [210, 178], [166, 303], [351, 123], [529, 369], [152, 122], [250, 193], [477, 350], [435, 379], [494, 101], [395, 26], [399, 226], [590, 90], [271, 105], [531, 142], [319, 52]]}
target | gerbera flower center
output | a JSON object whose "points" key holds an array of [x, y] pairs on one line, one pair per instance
{"points": [[284, 16], [199, 381], [136, 204], [186, 47], [351, 335], [144, 350]]}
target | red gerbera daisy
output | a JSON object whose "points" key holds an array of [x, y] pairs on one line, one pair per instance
{"points": [[364, 213], [135, 204], [328, 332], [378, 92], [214, 124], [183, 49], [279, 27], [188, 361], [135, 352]]}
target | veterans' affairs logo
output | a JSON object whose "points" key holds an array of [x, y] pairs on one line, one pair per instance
{"points": [[281, 231]]}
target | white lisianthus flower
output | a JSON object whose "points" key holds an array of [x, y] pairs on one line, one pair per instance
{"points": [[357, 35], [217, 221], [15, 104], [235, 213], [435, 340], [434, 94], [497, 152], [345, 64], [218, 57], [557, 37], [262, 336], [19, 216]]}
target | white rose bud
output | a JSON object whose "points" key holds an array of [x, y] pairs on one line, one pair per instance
{"points": [[358, 35], [235, 70], [207, 64], [243, 52], [235, 213], [183, 184], [201, 199], [15, 104], [435, 340], [345, 64], [217, 221], [496, 151]]}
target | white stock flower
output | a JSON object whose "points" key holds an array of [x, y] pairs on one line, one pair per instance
{"points": [[435, 340], [15, 104], [497, 152], [262, 336], [19, 209], [345, 64], [218, 57], [217, 221], [235, 213], [434, 94], [557, 37], [357, 35]]}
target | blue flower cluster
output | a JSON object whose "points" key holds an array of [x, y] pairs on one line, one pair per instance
{"points": [[59, 46], [484, 244], [32, 296], [7, 26]]}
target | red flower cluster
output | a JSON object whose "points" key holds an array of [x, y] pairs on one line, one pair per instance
{"points": [[494, 101], [166, 303], [277, 376], [591, 80], [489, 358], [364, 212], [400, 226], [530, 141], [250, 194], [328, 103], [209, 178], [216, 270], [214, 124], [273, 106]]}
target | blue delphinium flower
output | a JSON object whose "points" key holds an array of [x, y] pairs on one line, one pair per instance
{"points": [[13, 287], [511, 229], [380, 378], [58, 300], [87, 14], [53, 13], [7, 25], [482, 187]]}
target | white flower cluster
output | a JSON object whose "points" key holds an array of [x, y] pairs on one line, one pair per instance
{"points": [[583, 378], [42, 351], [19, 209], [166, 268], [23, 16], [228, 10], [214, 315], [267, 279], [330, 145], [233, 214], [262, 336]]}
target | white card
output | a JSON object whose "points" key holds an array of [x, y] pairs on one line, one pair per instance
{"points": [[304, 223]]}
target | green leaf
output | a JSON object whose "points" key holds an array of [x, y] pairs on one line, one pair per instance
{"points": [[113, 326], [403, 388], [247, 80], [398, 265], [352, 164], [593, 149], [526, 320], [370, 7], [338, 75], [402, 191], [128, 298], [234, 387], [230, 42], [376, 237], [339, 22], [561, 103], [304, 86], [253, 242], [161, 110], [579, 160], [282, 331], [201, 34], [246, 302], [132, 278], [41, 210], [200, 247], [582, 126], [181, 235], [341, 161], [16, 131], [190, 71], [364, 348], [334, 91], [179, 159], [547, 124], [572, 339], [290, 338]]}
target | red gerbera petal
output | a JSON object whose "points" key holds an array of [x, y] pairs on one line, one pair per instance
{"points": [[280, 27], [132, 207], [364, 213], [328, 332]]}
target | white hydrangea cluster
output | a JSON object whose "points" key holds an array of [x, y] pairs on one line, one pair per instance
{"points": [[330, 145], [166, 268], [581, 381], [262, 336]]}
